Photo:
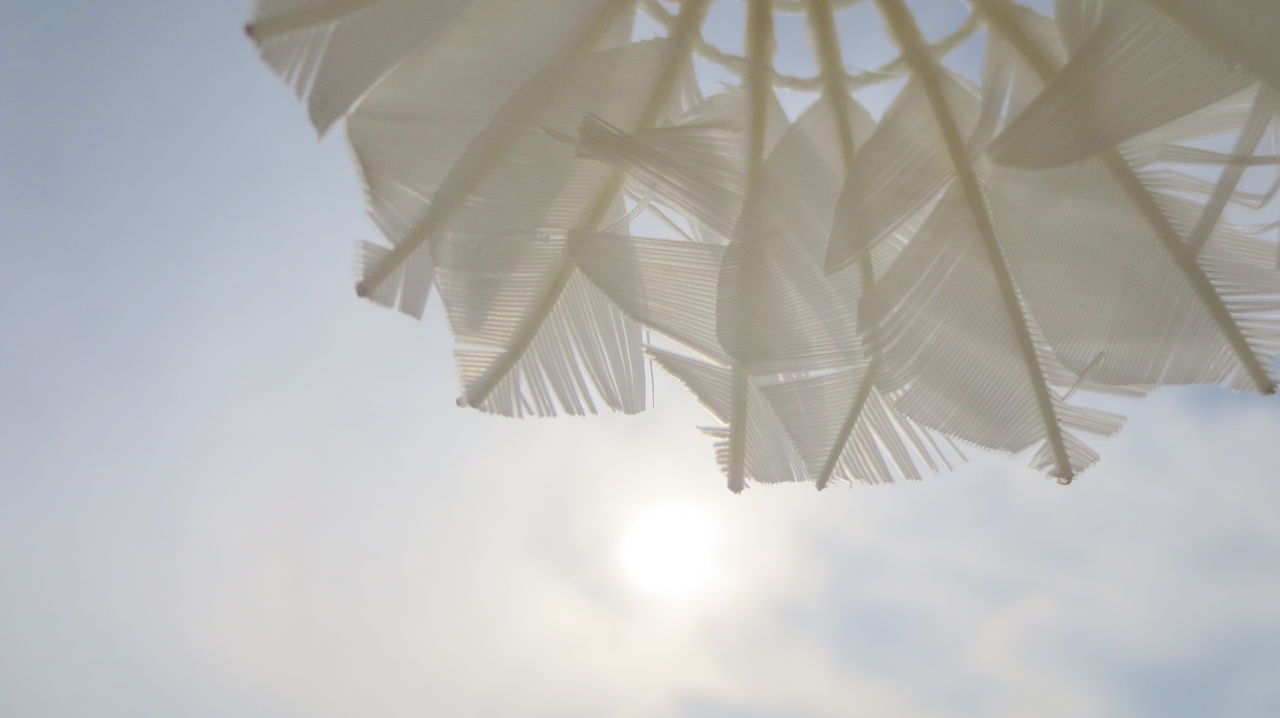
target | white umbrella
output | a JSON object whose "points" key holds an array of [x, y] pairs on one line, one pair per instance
{"points": [[841, 294]]}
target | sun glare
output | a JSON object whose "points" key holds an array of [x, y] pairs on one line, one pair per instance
{"points": [[670, 550]]}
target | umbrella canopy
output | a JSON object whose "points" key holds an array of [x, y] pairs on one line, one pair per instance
{"points": [[988, 263]]}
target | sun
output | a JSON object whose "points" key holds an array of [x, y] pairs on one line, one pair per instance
{"points": [[670, 550]]}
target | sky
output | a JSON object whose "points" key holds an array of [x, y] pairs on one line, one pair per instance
{"points": [[228, 487]]}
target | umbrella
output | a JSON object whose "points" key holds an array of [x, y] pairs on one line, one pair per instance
{"points": [[849, 298]]}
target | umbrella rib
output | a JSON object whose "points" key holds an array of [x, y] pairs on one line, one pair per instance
{"points": [[268, 28], [465, 178], [997, 14], [692, 14], [827, 48], [907, 34]]}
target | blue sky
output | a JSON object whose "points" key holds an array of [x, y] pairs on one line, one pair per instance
{"points": [[230, 488]]}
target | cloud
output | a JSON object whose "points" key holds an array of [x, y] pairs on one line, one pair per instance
{"points": [[466, 565]]}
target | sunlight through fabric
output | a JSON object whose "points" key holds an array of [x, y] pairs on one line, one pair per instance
{"points": [[1014, 218]]}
